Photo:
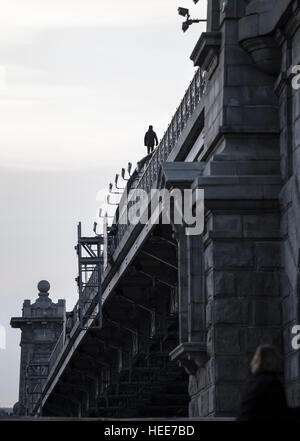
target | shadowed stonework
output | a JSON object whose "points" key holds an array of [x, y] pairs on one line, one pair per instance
{"points": [[41, 325], [182, 315]]}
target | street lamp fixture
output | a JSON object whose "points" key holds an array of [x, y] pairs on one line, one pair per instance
{"points": [[183, 12], [189, 21], [186, 24]]}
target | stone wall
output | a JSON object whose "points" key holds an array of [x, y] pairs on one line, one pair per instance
{"points": [[238, 284], [289, 99], [252, 276]]}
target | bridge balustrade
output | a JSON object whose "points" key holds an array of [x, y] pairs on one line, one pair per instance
{"points": [[148, 175]]}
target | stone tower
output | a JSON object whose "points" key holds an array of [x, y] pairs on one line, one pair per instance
{"points": [[41, 325]]}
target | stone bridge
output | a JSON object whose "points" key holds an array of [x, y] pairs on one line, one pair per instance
{"points": [[182, 314]]}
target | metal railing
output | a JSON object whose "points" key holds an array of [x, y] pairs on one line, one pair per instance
{"points": [[72, 322], [149, 173], [34, 396], [36, 374], [145, 180], [56, 351]]}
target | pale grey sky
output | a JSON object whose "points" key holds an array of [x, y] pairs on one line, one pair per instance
{"points": [[80, 81]]}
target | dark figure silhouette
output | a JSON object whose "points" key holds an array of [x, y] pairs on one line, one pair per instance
{"points": [[264, 396], [150, 140]]}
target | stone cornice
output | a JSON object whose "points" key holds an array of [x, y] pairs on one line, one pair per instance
{"points": [[239, 191], [263, 30], [206, 50], [265, 52], [190, 355], [17, 322]]}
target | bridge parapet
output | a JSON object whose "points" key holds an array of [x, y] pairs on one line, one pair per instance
{"points": [[146, 177], [56, 351]]}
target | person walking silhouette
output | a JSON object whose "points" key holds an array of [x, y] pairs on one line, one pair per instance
{"points": [[150, 140]]}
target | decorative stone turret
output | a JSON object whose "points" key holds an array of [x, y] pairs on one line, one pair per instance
{"points": [[41, 324]]}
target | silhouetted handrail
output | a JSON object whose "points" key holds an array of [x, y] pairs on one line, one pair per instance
{"points": [[146, 177], [56, 351], [149, 172]]}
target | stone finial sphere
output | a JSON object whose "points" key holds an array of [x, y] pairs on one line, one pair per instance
{"points": [[43, 286]]}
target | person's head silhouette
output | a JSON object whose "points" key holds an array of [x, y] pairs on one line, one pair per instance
{"points": [[267, 358], [150, 128]]}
